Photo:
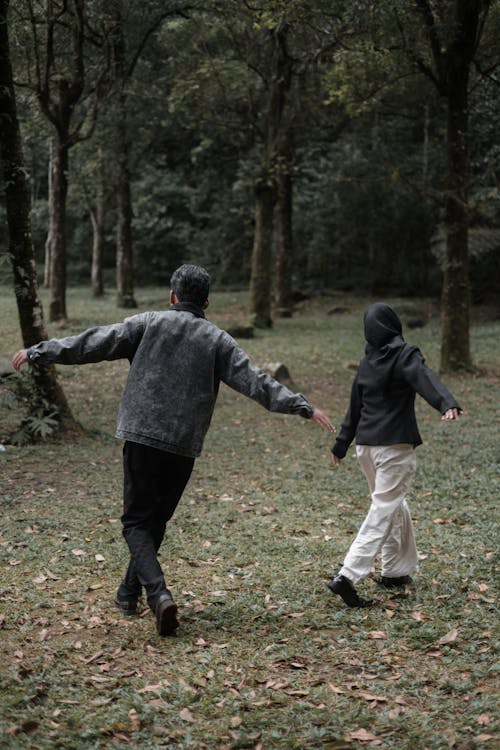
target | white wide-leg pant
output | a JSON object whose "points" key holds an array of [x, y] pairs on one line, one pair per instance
{"points": [[387, 528]]}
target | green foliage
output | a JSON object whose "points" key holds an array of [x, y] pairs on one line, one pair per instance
{"points": [[38, 419]]}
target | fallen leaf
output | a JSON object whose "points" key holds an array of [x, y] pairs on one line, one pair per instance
{"points": [[135, 721], [78, 552], [377, 635], [483, 720], [484, 737], [371, 697], [235, 721], [450, 637], [418, 616], [362, 735], [99, 558], [186, 715], [335, 689]]}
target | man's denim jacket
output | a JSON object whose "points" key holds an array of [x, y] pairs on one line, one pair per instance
{"points": [[177, 360]]}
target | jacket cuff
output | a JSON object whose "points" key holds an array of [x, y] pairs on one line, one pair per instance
{"points": [[339, 450]]}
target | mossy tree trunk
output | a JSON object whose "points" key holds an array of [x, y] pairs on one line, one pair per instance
{"points": [[20, 240]]}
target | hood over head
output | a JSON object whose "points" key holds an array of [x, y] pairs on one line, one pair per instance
{"points": [[381, 325]]}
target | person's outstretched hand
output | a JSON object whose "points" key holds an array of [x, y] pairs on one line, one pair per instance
{"points": [[322, 420], [336, 460], [451, 414], [19, 359]]}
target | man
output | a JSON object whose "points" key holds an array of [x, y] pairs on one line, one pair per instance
{"points": [[177, 361]]}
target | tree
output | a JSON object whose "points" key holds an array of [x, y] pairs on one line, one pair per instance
{"points": [[453, 31], [46, 385], [59, 86]]}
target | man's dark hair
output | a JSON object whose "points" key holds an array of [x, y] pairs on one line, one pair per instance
{"points": [[191, 284]]}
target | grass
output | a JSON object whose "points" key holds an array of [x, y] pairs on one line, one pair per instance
{"points": [[265, 657]]}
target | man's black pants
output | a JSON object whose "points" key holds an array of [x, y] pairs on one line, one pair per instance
{"points": [[153, 483]]}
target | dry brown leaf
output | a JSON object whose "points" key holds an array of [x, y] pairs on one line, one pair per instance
{"points": [[235, 721], [371, 697], [186, 715], [418, 616], [483, 720], [135, 721], [377, 635], [335, 689], [484, 737], [362, 735], [450, 637]]}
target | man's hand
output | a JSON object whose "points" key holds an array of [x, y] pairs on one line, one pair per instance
{"points": [[322, 420], [451, 414], [19, 359], [336, 460]]}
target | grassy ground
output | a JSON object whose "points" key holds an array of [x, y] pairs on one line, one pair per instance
{"points": [[265, 656]]}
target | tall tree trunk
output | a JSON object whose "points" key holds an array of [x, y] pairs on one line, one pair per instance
{"points": [[48, 240], [453, 54], [20, 241], [455, 345], [57, 303], [284, 239], [265, 188], [124, 248], [261, 282], [97, 219]]}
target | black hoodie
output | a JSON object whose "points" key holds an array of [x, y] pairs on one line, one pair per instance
{"points": [[382, 408]]}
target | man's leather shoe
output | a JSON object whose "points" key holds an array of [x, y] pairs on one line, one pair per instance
{"points": [[343, 587], [166, 614], [127, 607], [393, 583]]}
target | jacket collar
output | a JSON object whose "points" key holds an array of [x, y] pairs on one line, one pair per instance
{"points": [[188, 307]]}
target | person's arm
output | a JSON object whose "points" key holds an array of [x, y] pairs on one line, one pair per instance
{"points": [[93, 345], [349, 425], [236, 370], [426, 383]]}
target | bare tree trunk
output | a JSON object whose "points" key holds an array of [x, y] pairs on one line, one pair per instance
{"points": [[48, 241], [20, 241], [455, 344], [265, 189], [453, 48], [284, 240], [124, 248], [97, 219], [261, 282], [57, 303]]}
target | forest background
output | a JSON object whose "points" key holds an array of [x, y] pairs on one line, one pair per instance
{"points": [[294, 147], [340, 150]]}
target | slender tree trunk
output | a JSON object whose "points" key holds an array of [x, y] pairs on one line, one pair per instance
{"points": [[48, 241], [124, 248], [265, 189], [97, 218], [261, 282], [284, 239], [57, 304], [20, 241], [455, 345]]}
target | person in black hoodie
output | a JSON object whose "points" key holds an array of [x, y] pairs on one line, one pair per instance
{"points": [[381, 418]]}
